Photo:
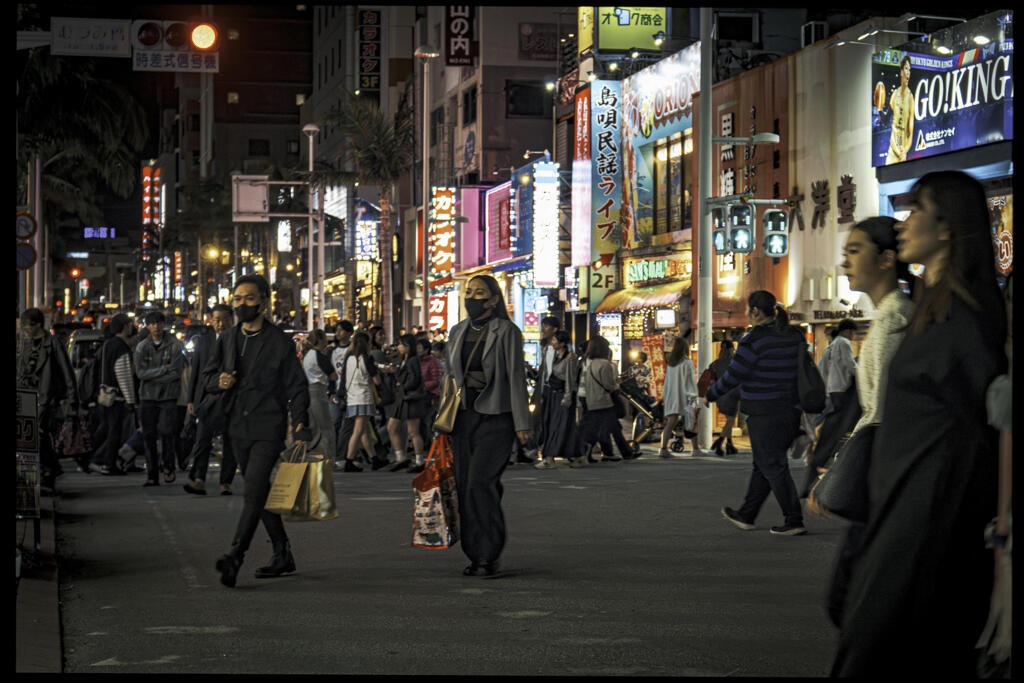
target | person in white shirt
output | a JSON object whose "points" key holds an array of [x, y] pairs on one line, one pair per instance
{"points": [[319, 373], [842, 368], [680, 396], [342, 345], [357, 378]]}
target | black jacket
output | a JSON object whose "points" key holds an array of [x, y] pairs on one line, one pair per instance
{"points": [[200, 357], [410, 378], [56, 378], [258, 404]]}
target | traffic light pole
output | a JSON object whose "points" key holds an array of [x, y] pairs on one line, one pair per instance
{"points": [[704, 234]]}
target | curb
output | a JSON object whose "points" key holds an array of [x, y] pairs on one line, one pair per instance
{"points": [[37, 603]]}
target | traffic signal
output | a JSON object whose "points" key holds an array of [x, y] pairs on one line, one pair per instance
{"points": [[776, 233], [154, 35], [741, 228], [74, 273], [719, 231]]}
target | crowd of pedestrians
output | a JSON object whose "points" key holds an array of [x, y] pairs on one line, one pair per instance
{"points": [[912, 585]]}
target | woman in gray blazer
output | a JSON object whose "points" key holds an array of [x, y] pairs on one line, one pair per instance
{"points": [[485, 357]]}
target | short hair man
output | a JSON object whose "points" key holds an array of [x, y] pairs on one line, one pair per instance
{"points": [[159, 363], [256, 368]]}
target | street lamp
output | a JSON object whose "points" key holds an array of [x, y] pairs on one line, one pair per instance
{"points": [[426, 53], [310, 129]]}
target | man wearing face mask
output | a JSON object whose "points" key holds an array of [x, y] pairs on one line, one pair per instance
{"points": [[485, 357], [255, 366]]}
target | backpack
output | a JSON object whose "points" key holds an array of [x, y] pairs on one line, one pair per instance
{"points": [[89, 381], [707, 379], [809, 383]]}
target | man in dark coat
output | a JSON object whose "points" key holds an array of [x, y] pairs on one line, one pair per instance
{"points": [[209, 425], [43, 367], [255, 366]]}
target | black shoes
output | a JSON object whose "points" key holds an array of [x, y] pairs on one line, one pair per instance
{"points": [[351, 467], [730, 449], [416, 469], [717, 447], [487, 570], [195, 487], [377, 462], [280, 564], [399, 465], [736, 520], [228, 566], [788, 530]]}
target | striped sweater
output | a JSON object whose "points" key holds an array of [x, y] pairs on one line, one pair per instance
{"points": [[764, 368]]}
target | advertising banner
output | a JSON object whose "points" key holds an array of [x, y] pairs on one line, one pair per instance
{"points": [[437, 312], [497, 209], [369, 52], [923, 105], [441, 238], [656, 102], [545, 224], [606, 185], [652, 346], [625, 28], [459, 46]]}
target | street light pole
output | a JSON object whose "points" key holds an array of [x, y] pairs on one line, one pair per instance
{"points": [[310, 129], [426, 53], [704, 254]]}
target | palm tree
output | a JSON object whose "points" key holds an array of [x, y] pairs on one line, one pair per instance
{"points": [[381, 149]]}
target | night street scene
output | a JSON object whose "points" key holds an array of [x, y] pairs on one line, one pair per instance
{"points": [[514, 341]]}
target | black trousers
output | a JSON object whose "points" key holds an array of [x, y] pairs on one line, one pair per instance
{"points": [[770, 438], [479, 463], [118, 426], [158, 424], [603, 427], [201, 455], [257, 460]]}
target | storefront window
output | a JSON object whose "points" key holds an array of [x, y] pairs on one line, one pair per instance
{"points": [[672, 182]]}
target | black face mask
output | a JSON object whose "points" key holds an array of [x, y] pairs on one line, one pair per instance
{"points": [[475, 308], [247, 314]]}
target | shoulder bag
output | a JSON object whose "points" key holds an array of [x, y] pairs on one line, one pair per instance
{"points": [[108, 394], [451, 399], [618, 402], [809, 384], [843, 489]]}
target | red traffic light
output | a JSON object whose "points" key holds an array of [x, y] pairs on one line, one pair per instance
{"points": [[75, 272], [204, 36]]}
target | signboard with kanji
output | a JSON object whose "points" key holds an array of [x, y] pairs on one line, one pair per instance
{"points": [[437, 312], [441, 241], [176, 60], [369, 60], [84, 37]]}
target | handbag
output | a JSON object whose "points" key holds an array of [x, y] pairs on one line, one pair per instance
{"points": [[842, 490], [107, 395], [618, 401], [809, 384], [303, 487], [707, 379], [74, 439], [435, 520], [451, 399]]}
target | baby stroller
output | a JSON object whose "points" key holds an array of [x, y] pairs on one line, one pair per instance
{"points": [[648, 414]]}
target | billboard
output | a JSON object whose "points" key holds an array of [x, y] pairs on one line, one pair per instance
{"points": [[625, 28], [545, 224], [922, 105], [606, 184], [441, 238], [497, 210]]}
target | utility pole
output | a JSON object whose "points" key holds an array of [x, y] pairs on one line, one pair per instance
{"points": [[704, 253]]}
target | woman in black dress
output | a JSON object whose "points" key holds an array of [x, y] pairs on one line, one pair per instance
{"points": [[410, 405], [559, 417], [920, 588]]}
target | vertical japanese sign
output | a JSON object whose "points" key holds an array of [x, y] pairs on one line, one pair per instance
{"points": [[497, 207], [177, 267], [156, 194], [585, 29], [437, 312], [147, 195], [545, 224], [581, 177], [606, 187], [653, 347], [369, 52], [441, 240], [459, 46]]}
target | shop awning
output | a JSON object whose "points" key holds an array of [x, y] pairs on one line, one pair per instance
{"points": [[653, 296]]}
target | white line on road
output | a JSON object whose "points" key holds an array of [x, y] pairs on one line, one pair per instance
{"points": [[191, 629], [187, 570], [114, 661], [524, 614]]}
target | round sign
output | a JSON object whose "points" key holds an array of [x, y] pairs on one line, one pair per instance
{"points": [[26, 226], [25, 254]]}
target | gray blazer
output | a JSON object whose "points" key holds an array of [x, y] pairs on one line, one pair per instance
{"points": [[504, 368]]}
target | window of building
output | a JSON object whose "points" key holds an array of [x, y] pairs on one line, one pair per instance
{"points": [[259, 148], [232, 98], [527, 99], [469, 105], [232, 34], [293, 146], [192, 125], [436, 121], [341, 51], [300, 99], [195, 157], [673, 182]]}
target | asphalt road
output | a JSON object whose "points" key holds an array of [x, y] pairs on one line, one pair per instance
{"points": [[615, 569]]}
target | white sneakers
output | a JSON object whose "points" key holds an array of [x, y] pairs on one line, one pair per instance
{"points": [[546, 464]]}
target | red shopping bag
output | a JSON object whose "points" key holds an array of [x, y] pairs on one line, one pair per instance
{"points": [[436, 512]]}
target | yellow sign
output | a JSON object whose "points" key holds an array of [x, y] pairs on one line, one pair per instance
{"points": [[585, 21], [624, 28]]}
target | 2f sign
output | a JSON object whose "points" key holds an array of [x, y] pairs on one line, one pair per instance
{"points": [[602, 280]]}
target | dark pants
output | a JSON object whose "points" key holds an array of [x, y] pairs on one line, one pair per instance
{"points": [[158, 424], [115, 431], [257, 460], [599, 425], [479, 463], [201, 455], [835, 601], [770, 437], [182, 446], [49, 464]]}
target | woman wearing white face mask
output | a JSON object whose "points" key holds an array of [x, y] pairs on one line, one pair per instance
{"points": [[485, 357]]}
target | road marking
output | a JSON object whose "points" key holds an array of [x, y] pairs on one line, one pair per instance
{"points": [[475, 591], [187, 570], [97, 633], [191, 629], [601, 641], [524, 614], [114, 661], [578, 488]]}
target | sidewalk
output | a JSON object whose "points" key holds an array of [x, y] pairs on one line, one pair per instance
{"points": [[37, 605]]}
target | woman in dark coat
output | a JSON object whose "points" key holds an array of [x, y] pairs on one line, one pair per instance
{"points": [[411, 405], [559, 418], [729, 404], [920, 587]]}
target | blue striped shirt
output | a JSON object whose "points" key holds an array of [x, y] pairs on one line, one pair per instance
{"points": [[764, 368]]}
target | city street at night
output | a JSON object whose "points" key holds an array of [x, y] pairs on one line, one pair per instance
{"points": [[614, 569]]}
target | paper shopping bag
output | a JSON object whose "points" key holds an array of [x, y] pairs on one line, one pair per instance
{"points": [[286, 492], [436, 507], [315, 501]]}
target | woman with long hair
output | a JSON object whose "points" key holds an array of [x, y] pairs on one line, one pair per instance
{"points": [[679, 394], [412, 405], [485, 358], [359, 371], [764, 368], [600, 423], [559, 417], [320, 374], [728, 405], [920, 586]]}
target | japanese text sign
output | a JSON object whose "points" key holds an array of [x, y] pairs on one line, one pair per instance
{"points": [[545, 224], [441, 240]]}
